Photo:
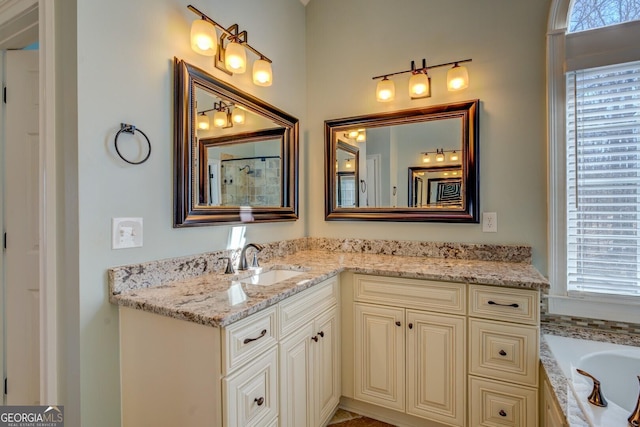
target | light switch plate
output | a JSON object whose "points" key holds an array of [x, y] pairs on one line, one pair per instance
{"points": [[126, 233]]}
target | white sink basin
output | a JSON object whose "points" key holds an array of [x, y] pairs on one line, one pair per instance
{"points": [[270, 277]]}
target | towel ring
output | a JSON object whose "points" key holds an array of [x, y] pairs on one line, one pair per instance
{"points": [[126, 128]]}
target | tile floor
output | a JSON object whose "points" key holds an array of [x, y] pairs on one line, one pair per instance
{"points": [[344, 418]]}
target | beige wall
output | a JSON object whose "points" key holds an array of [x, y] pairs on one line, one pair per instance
{"points": [[124, 74], [348, 42]]}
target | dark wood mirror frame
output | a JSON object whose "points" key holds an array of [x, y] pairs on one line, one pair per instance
{"points": [[470, 213], [188, 211]]}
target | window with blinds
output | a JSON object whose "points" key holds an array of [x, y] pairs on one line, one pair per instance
{"points": [[603, 180]]}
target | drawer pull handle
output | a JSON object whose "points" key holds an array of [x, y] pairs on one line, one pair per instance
{"points": [[502, 413], [248, 340], [410, 325], [398, 323], [514, 305], [321, 333], [502, 353], [259, 401], [315, 338]]}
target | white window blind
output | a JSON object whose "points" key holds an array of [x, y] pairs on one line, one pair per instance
{"points": [[603, 180]]}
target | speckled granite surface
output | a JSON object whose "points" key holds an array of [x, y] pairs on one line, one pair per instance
{"points": [[195, 290], [559, 382]]}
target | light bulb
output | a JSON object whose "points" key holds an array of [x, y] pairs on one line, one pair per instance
{"points": [[262, 73], [385, 91], [235, 58], [238, 116], [203, 122], [419, 86], [457, 78], [220, 119], [203, 37]]}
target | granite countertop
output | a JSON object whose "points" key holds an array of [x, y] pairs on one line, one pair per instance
{"points": [[559, 382], [210, 299]]}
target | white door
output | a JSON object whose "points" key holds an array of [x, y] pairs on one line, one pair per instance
{"points": [[21, 166], [372, 188]]}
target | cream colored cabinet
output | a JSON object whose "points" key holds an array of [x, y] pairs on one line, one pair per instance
{"points": [[310, 357], [406, 359], [503, 348], [550, 412]]}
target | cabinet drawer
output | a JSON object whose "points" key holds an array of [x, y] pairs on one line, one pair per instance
{"points": [[508, 352], [498, 404], [294, 312], [250, 396], [447, 297], [511, 305], [247, 338]]}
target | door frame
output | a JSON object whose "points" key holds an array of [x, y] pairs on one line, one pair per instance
{"points": [[9, 11]]}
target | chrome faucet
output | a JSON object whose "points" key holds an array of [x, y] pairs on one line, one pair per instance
{"points": [[595, 398], [634, 418], [243, 258]]}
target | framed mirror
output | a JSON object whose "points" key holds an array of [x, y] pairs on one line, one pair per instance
{"points": [[436, 146], [236, 157]]}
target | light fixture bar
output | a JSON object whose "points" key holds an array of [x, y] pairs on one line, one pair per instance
{"points": [[420, 69], [229, 33]]}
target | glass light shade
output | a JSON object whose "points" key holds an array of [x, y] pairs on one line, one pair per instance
{"points": [[353, 134], [439, 157], [220, 119], [362, 136], [348, 164], [238, 116], [385, 91], [203, 37], [419, 86], [426, 158], [457, 78], [235, 58], [454, 156], [203, 122], [262, 73]]}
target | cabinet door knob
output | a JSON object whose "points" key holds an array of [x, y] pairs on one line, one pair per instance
{"points": [[321, 333], [410, 325], [502, 413], [259, 401], [262, 334], [315, 338], [398, 323], [502, 353]]}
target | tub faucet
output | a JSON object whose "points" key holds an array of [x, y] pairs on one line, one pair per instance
{"points": [[243, 258], [596, 397], [634, 418]]}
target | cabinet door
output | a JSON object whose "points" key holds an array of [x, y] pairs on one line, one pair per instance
{"points": [[436, 367], [552, 415], [295, 365], [250, 395], [326, 366], [379, 355]]}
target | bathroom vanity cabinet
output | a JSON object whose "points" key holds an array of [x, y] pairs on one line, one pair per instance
{"points": [[550, 412], [283, 361], [451, 353]]}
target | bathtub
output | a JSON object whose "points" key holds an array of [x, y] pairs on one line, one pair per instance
{"points": [[615, 366]]}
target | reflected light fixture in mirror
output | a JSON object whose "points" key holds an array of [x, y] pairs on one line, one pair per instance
{"points": [[238, 116], [203, 121], [231, 58], [420, 82]]}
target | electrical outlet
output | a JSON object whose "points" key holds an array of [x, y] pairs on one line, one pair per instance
{"points": [[126, 233], [490, 222]]}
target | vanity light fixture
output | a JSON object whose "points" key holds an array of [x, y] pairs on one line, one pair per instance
{"points": [[439, 155], [420, 82], [203, 121], [359, 135], [230, 52]]}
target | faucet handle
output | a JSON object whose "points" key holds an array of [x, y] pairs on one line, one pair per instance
{"points": [[254, 263], [634, 418], [596, 397], [229, 269]]}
